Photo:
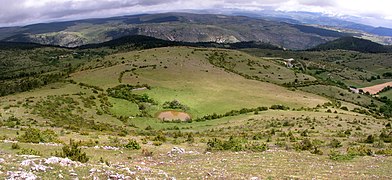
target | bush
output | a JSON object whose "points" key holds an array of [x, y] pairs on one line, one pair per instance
{"points": [[15, 146], [344, 108], [256, 147], [335, 143], [279, 107], [132, 144], [147, 153], [336, 156], [386, 137], [370, 139], [359, 151], [304, 145], [219, 145], [317, 151], [73, 152], [175, 104], [32, 135], [386, 152], [29, 151], [160, 137]]}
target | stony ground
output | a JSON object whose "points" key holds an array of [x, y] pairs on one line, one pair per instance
{"points": [[180, 163]]}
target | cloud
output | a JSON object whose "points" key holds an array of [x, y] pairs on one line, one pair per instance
{"points": [[19, 12]]}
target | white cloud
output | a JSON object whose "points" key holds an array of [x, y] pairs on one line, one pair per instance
{"points": [[14, 12]]}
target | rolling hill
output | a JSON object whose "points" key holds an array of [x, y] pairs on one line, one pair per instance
{"points": [[141, 107], [354, 44]]}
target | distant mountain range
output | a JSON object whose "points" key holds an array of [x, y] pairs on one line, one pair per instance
{"points": [[318, 19], [183, 27], [322, 20], [290, 30]]}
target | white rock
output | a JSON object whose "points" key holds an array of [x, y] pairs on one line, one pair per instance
{"points": [[73, 174], [2, 160], [27, 162], [116, 176], [145, 169], [8, 141], [163, 173], [61, 161], [21, 175], [40, 168], [52, 160], [93, 170]]}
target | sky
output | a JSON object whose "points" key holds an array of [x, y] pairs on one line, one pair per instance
{"points": [[23, 12]]}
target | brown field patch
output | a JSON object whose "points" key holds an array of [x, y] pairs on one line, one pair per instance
{"points": [[376, 88]]}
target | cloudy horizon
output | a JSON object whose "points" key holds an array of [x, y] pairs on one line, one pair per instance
{"points": [[24, 12]]}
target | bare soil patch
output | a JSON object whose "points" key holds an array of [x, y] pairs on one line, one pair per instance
{"points": [[174, 115], [376, 88]]}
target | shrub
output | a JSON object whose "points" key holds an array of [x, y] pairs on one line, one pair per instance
{"points": [[157, 143], [232, 144], [147, 153], [32, 135], [304, 145], [279, 107], [370, 139], [160, 137], [359, 151], [386, 137], [386, 152], [73, 152], [132, 144], [175, 104], [335, 143], [336, 156], [317, 151], [29, 151], [15, 146], [344, 108], [256, 147]]}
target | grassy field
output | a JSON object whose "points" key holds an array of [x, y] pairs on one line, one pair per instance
{"points": [[191, 79], [353, 68]]}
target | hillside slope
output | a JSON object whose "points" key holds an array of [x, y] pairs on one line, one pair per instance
{"points": [[354, 44]]}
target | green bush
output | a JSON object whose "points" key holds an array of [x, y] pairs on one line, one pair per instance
{"points": [[256, 147], [336, 156], [359, 151], [335, 143], [386, 152], [304, 145], [29, 151], [132, 144], [386, 137], [15, 146], [279, 107], [369, 139], [73, 152], [234, 144], [160, 137], [33, 135], [175, 104]]}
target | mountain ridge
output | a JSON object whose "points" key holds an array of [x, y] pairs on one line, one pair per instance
{"points": [[184, 27]]}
